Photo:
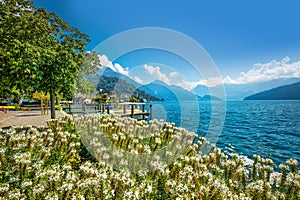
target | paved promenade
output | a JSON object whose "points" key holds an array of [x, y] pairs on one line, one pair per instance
{"points": [[23, 118]]}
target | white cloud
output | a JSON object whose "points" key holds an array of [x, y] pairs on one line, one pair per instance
{"points": [[155, 71], [174, 74], [181, 83], [138, 79], [260, 72], [229, 80], [169, 78], [210, 82], [268, 71], [184, 84], [150, 73], [105, 62]]}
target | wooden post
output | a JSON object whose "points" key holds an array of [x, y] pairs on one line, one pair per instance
{"points": [[107, 109], [52, 103], [47, 105], [42, 108], [132, 110], [84, 108], [150, 111], [143, 110], [124, 109]]}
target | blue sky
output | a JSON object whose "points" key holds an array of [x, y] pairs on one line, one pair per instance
{"points": [[244, 38]]}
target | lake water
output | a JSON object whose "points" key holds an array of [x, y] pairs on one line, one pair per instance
{"points": [[268, 128]]}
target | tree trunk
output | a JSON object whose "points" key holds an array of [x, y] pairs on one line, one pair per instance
{"points": [[52, 103], [42, 109]]}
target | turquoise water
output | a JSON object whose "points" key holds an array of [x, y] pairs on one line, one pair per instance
{"points": [[268, 128]]}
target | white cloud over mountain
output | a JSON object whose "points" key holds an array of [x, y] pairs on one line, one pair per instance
{"points": [[268, 71], [156, 72], [168, 77], [137, 79], [260, 72], [211, 82], [105, 62]]}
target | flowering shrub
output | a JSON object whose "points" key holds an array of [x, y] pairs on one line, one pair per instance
{"points": [[53, 163], [11, 106]]}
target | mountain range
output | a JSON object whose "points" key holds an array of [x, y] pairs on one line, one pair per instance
{"points": [[121, 87], [286, 92], [167, 92], [106, 71], [161, 90], [156, 88], [241, 91]]}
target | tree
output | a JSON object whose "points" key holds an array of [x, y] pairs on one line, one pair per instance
{"points": [[89, 67], [43, 98], [38, 50], [19, 48]]}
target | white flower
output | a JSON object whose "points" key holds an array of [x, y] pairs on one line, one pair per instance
{"points": [[106, 156], [157, 140], [3, 150], [4, 188], [283, 167], [115, 137], [15, 194], [292, 162], [26, 184], [135, 152], [135, 141]]}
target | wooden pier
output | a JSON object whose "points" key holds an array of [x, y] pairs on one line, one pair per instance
{"points": [[134, 111], [126, 109]]}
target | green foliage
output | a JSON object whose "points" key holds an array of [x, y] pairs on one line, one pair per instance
{"points": [[58, 107], [89, 67], [39, 51], [84, 87], [14, 106], [133, 99], [91, 63], [12, 93], [103, 98], [115, 84]]}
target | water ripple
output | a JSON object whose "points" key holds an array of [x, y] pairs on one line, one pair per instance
{"points": [[268, 128]]}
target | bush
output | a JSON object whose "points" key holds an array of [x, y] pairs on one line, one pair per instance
{"points": [[58, 107], [25, 109], [12, 106]]}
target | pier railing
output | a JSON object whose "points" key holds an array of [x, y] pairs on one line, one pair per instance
{"points": [[126, 109]]}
